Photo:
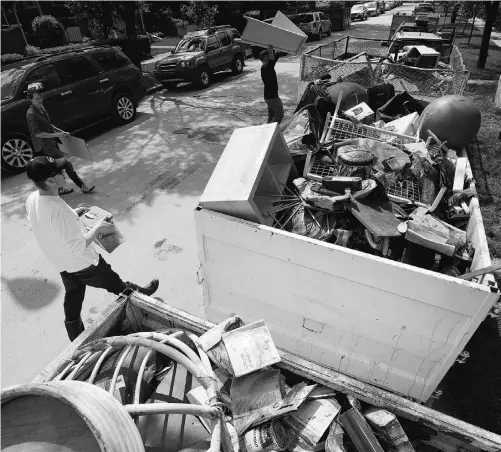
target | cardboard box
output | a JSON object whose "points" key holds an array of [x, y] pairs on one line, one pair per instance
{"points": [[74, 146], [362, 112]]}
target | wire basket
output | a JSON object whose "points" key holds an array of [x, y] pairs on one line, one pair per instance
{"points": [[406, 189], [342, 129]]}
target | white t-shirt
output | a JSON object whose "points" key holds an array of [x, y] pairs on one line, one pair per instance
{"points": [[59, 233]]}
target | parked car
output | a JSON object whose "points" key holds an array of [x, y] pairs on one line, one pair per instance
{"points": [[424, 8], [202, 53], [372, 8], [359, 12], [81, 87], [314, 24]]}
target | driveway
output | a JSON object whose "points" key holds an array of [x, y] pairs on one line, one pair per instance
{"points": [[150, 175]]}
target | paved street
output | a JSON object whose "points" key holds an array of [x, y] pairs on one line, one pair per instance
{"points": [[150, 175]]}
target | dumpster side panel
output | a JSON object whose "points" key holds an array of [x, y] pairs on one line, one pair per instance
{"points": [[390, 324]]}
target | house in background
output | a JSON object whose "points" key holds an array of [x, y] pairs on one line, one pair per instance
{"points": [[17, 17]]}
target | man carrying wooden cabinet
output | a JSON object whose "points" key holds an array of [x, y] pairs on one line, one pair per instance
{"points": [[275, 106]]}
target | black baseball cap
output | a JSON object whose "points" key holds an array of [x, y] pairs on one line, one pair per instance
{"points": [[41, 168]]}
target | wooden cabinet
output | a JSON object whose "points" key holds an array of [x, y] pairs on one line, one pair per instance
{"points": [[250, 175]]}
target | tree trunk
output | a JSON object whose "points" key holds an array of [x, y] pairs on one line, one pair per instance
{"points": [[107, 18], [130, 19], [491, 11], [454, 13]]}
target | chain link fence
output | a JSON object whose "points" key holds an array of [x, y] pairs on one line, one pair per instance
{"points": [[364, 61]]}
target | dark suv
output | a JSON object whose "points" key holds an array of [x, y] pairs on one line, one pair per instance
{"points": [[201, 53], [80, 88]]}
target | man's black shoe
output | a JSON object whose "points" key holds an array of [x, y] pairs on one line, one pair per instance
{"points": [[150, 289]]}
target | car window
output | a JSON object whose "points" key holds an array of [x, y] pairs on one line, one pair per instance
{"points": [[9, 82], [224, 38], [212, 43], [193, 44], [235, 33], [110, 60], [45, 74], [74, 70]]}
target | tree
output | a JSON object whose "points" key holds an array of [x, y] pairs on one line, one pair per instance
{"points": [[491, 12], [199, 13], [99, 15], [48, 31]]}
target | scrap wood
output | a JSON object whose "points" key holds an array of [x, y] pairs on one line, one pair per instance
{"points": [[312, 420], [258, 398], [480, 272], [389, 428], [359, 431], [335, 438], [462, 196]]}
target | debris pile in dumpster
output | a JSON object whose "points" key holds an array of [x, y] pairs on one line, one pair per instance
{"points": [[244, 401], [382, 173]]}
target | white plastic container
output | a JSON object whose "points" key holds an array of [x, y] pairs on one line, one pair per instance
{"points": [[259, 33]]}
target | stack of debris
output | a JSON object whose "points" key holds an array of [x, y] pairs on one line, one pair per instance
{"points": [[272, 409], [375, 185]]}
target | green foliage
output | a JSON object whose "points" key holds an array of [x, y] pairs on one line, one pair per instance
{"points": [[199, 13], [31, 51], [48, 31], [94, 13], [9, 58]]}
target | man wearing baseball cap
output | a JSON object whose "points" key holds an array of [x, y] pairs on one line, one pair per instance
{"points": [[67, 244]]}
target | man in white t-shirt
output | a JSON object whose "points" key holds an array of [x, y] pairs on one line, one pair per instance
{"points": [[67, 244]]}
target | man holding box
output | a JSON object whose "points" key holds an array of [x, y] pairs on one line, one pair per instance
{"points": [[269, 76], [66, 243]]}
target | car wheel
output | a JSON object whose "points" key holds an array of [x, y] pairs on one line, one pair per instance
{"points": [[238, 64], [124, 108], [17, 151], [204, 77], [329, 31], [169, 85]]}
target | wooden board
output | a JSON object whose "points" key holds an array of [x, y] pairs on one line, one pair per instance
{"points": [[459, 176], [376, 215], [387, 323]]}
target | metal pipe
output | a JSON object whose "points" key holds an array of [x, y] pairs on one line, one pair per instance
{"points": [[143, 367], [119, 365], [173, 342], [105, 354], [198, 372], [142, 409], [66, 369], [80, 364]]}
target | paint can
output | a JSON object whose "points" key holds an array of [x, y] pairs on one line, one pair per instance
{"points": [[269, 436]]}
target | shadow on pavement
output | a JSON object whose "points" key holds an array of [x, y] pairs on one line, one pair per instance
{"points": [[32, 293]]}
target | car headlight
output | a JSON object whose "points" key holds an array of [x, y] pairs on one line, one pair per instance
{"points": [[157, 65], [185, 64]]}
